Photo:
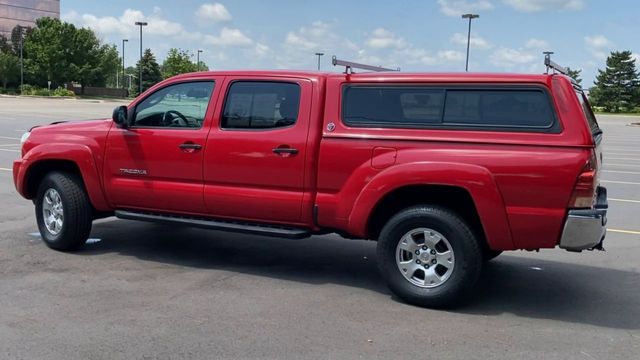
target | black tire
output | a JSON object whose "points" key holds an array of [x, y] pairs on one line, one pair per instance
{"points": [[466, 249], [77, 217]]}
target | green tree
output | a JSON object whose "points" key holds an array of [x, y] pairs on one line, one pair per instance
{"points": [[617, 87], [9, 67], [48, 49], [203, 66], [15, 36], [151, 73], [575, 75], [177, 62], [5, 46]]}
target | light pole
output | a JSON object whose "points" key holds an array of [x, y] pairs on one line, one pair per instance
{"points": [[21, 62], [141, 24], [319, 54], [199, 51], [470, 17], [123, 67]]}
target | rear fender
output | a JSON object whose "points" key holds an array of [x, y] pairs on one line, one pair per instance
{"points": [[477, 180]]}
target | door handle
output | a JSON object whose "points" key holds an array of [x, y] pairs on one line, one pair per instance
{"points": [[190, 146], [283, 150]]}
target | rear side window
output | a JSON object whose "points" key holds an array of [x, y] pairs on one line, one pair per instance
{"points": [[524, 108], [588, 113], [261, 105]]}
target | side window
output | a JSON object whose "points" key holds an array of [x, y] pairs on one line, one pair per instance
{"points": [[261, 105], [181, 105], [527, 108], [392, 105]]}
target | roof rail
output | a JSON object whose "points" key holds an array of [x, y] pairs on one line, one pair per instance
{"points": [[349, 66], [552, 65]]}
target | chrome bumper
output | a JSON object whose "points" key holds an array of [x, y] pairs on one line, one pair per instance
{"points": [[586, 229]]}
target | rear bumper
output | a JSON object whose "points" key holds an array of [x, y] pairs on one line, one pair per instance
{"points": [[585, 229]]}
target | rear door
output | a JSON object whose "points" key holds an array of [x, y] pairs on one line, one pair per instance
{"points": [[255, 156]]}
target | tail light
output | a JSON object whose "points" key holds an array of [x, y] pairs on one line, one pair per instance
{"points": [[584, 192]]}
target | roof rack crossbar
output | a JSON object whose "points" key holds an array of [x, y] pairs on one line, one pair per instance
{"points": [[349, 66], [551, 65]]}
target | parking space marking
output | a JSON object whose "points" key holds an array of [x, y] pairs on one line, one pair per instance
{"points": [[5, 169], [633, 166], [618, 154], [10, 150], [7, 145], [611, 171], [632, 232], [623, 159], [624, 200], [620, 182], [9, 138], [621, 149]]}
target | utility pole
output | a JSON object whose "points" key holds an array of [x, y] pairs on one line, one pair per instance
{"points": [[319, 54], [198, 63], [470, 17], [141, 24], [123, 67]]}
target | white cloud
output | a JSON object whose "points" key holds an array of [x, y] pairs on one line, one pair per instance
{"points": [[451, 55], [476, 41], [540, 5], [459, 7], [598, 46], [597, 41], [382, 39], [508, 58], [228, 37], [215, 12], [261, 50], [537, 44]]}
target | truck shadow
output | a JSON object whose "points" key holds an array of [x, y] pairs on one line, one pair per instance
{"points": [[526, 287]]}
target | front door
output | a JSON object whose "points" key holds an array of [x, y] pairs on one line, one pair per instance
{"points": [[256, 155], [156, 163]]}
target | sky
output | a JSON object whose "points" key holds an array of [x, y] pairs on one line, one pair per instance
{"points": [[425, 36]]}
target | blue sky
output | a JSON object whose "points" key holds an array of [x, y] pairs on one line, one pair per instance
{"points": [[414, 35]]}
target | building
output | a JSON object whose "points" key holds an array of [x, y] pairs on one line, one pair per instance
{"points": [[25, 13]]}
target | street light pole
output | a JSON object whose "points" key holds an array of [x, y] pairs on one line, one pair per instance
{"points": [[123, 66], [319, 54], [21, 62], [470, 17], [141, 24], [199, 51]]}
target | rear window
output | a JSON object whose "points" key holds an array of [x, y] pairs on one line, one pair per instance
{"points": [[588, 113], [526, 107]]}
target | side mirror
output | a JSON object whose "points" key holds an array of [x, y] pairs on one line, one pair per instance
{"points": [[120, 116]]}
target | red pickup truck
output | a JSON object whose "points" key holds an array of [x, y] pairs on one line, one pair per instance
{"points": [[444, 171]]}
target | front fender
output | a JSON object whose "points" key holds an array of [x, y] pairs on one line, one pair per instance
{"points": [[79, 154], [477, 180]]}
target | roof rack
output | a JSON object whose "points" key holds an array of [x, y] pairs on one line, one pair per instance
{"points": [[552, 65], [349, 66]]}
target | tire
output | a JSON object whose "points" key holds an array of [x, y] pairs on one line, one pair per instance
{"points": [[62, 196], [449, 288]]}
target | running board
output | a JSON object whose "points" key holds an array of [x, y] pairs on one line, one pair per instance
{"points": [[224, 225]]}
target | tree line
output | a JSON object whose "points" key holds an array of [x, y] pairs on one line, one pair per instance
{"points": [[57, 53]]}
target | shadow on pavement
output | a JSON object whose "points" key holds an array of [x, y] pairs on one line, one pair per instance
{"points": [[526, 287]]}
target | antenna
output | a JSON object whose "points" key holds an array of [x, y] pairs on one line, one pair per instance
{"points": [[551, 65], [349, 66]]}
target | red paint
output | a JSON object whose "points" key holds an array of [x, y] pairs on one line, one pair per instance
{"points": [[520, 182]]}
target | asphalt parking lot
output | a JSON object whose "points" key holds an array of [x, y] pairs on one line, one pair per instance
{"points": [[141, 290]]}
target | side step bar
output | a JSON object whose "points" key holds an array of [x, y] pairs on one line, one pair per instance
{"points": [[224, 225]]}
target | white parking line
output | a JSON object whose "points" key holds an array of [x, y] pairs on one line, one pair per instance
{"points": [[620, 182], [5, 169], [9, 138], [9, 150], [624, 200], [633, 166], [617, 158], [611, 171], [620, 149], [624, 231]]}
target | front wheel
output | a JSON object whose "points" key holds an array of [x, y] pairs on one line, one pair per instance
{"points": [[63, 211], [429, 256]]}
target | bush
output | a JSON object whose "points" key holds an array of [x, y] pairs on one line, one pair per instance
{"points": [[62, 92], [8, 91]]}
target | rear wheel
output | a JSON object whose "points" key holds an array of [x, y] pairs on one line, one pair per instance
{"points": [[63, 211], [429, 256]]}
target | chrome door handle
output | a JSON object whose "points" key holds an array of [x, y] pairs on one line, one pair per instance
{"points": [[291, 151], [190, 146]]}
